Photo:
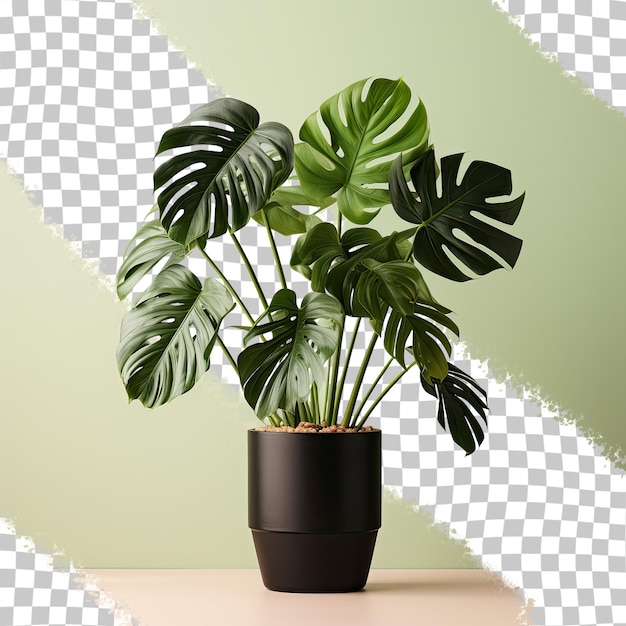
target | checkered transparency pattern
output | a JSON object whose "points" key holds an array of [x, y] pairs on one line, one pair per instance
{"points": [[33, 592], [537, 502], [587, 37], [86, 91]]}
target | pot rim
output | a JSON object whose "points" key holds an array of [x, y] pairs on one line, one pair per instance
{"points": [[286, 432]]}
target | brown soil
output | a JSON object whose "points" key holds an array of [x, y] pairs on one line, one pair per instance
{"points": [[310, 427]]}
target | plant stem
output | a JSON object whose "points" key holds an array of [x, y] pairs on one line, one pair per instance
{"points": [[235, 295], [359, 380], [333, 372], [331, 387], [315, 404], [407, 256], [340, 385], [332, 383], [305, 413], [384, 392], [328, 400], [251, 272], [277, 262], [358, 410], [229, 356], [284, 418], [289, 418]]}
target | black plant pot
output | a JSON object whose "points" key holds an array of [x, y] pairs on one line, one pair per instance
{"points": [[314, 507]]}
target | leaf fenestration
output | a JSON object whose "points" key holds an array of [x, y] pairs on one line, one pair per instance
{"points": [[439, 216], [229, 169], [280, 372], [354, 164], [167, 337]]}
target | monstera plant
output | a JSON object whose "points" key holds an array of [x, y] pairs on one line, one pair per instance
{"points": [[366, 151]]}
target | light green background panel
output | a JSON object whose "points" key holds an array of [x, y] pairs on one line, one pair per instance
{"points": [[112, 484], [555, 322], [116, 485]]}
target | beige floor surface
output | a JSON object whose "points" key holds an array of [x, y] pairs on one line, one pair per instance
{"points": [[237, 598]]}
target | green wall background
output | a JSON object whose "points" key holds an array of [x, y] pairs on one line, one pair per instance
{"points": [[554, 324], [112, 484], [115, 485]]}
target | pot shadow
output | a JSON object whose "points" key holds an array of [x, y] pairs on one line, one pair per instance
{"points": [[404, 585], [437, 585]]}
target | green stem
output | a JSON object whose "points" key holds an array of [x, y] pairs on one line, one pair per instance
{"points": [[358, 410], [327, 398], [251, 272], [229, 356], [315, 404], [346, 363], [332, 388], [286, 418], [274, 419], [277, 262], [384, 392], [333, 373], [359, 380], [305, 413], [230, 288]]}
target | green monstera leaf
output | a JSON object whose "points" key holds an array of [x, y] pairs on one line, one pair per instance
{"points": [[361, 245], [440, 216], [395, 284], [350, 156], [154, 245], [283, 216], [461, 403], [335, 264], [400, 306], [430, 346], [367, 274], [280, 372], [228, 175], [167, 337], [314, 253]]}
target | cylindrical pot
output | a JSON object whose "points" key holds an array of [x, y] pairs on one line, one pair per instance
{"points": [[314, 507]]}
